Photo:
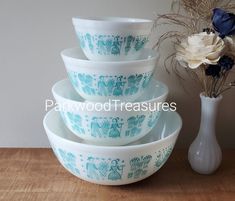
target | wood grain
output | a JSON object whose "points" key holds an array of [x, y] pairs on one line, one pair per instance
{"points": [[35, 174]]}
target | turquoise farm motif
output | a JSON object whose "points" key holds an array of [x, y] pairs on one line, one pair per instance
{"points": [[110, 44], [69, 161], [134, 125], [103, 169], [75, 121], [98, 168], [108, 127], [109, 85], [139, 166], [162, 156], [153, 118]]}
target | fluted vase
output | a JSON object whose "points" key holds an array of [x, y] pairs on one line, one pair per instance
{"points": [[204, 154]]}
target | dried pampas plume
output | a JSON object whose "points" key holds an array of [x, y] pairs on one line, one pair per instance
{"points": [[187, 17], [196, 16]]}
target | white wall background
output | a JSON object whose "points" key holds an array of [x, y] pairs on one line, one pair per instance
{"points": [[32, 34]]}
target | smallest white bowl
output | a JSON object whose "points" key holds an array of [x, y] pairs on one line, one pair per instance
{"points": [[112, 38]]}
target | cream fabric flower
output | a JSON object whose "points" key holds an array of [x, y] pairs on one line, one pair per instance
{"points": [[201, 48], [230, 46]]}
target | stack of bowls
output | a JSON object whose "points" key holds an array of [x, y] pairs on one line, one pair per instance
{"points": [[110, 129]]}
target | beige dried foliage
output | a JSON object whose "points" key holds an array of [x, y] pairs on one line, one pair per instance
{"points": [[188, 17]]}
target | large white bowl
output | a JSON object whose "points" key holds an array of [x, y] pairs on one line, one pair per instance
{"points": [[109, 123], [112, 38], [100, 81], [113, 165]]}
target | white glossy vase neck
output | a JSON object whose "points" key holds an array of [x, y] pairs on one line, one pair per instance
{"points": [[209, 109], [204, 153]]}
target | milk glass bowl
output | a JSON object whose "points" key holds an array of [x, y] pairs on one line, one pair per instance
{"points": [[116, 165], [112, 38], [113, 122], [100, 81]]}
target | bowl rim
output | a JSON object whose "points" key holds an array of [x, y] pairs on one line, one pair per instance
{"points": [[66, 80], [153, 55], [173, 134], [110, 19]]}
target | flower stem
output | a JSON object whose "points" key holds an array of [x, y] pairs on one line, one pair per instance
{"points": [[221, 84], [222, 91], [216, 80], [204, 80]]}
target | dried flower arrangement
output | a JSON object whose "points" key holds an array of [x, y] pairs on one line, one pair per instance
{"points": [[205, 44]]}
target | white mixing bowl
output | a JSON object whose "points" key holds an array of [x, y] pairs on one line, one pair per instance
{"points": [[110, 123], [112, 38], [113, 165], [100, 81]]}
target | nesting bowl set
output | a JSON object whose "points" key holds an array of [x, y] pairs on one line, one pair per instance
{"points": [[110, 69]]}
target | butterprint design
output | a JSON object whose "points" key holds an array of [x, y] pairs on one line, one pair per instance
{"points": [[162, 156], [87, 83], [112, 169], [106, 127], [134, 82], [110, 44], [109, 127], [105, 85], [103, 169], [139, 166], [140, 43], [74, 120], [134, 125], [119, 86], [69, 160], [153, 118], [146, 80], [109, 85], [73, 78]]}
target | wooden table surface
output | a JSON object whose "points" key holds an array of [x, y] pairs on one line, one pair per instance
{"points": [[35, 174]]}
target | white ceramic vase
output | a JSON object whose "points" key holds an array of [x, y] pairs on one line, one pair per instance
{"points": [[204, 153]]}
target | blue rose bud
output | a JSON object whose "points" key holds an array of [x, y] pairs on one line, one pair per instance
{"points": [[223, 22]]}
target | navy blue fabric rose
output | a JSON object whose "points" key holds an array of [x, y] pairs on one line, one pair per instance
{"points": [[223, 22], [226, 63], [213, 70]]}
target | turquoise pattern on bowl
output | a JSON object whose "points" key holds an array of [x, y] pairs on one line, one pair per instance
{"points": [[112, 39], [109, 127], [109, 86], [116, 165], [111, 44], [110, 124], [111, 169], [100, 81]]}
